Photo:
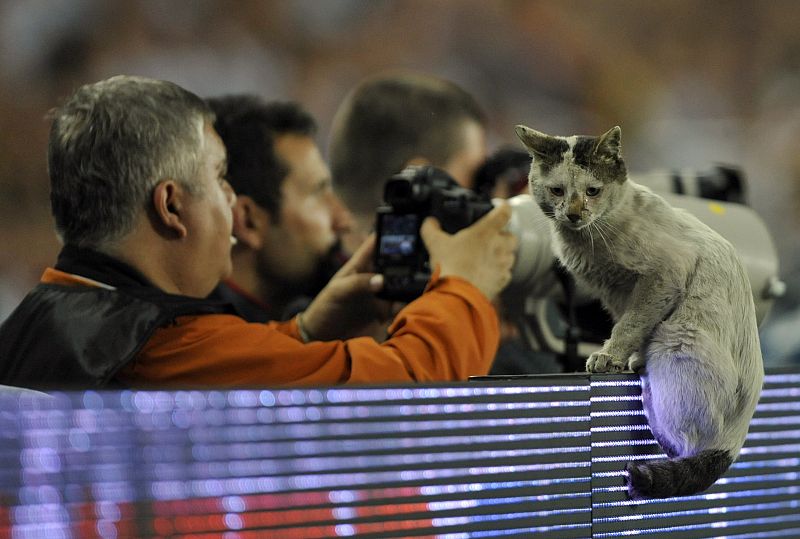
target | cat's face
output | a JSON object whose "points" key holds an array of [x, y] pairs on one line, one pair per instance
{"points": [[575, 180]]}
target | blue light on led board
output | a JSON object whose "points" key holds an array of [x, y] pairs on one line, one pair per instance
{"points": [[783, 519], [552, 531], [792, 504]]}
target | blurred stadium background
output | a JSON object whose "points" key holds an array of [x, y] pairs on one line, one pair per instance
{"points": [[691, 83]]}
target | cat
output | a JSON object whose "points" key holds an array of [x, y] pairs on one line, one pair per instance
{"points": [[683, 310]]}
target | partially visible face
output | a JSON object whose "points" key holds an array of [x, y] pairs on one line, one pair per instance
{"points": [[575, 180], [312, 218], [210, 218], [569, 194], [464, 163]]}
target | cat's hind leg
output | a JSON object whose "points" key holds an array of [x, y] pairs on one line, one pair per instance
{"points": [[691, 385], [652, 420]]}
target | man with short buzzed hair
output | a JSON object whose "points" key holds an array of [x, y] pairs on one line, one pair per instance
{"points": [[400, 118]]}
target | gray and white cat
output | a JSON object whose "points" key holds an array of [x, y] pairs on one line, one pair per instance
{"points": [[680, 298]]}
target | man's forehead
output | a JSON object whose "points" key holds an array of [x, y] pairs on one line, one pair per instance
{"points": [[213, 145], [287, 141], [299, 151]]}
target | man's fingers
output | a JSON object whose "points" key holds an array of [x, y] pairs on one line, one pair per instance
{"points": [[430, 229], [361, 260], [358, 283], [495, 219]]}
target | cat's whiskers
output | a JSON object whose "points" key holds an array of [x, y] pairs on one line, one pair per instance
{"points": [[597, 226], [591, 237], [620, 237], [609, 225], [613, 231]]}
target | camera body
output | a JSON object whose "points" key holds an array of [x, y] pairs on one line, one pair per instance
{"points": [[409, 197]]}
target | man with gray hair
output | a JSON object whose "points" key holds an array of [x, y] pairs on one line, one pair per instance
{"points": [[141, 202]]}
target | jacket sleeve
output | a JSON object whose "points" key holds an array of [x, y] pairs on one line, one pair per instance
{"points": [[449, 333]]}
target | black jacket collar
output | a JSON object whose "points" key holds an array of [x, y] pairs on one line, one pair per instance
{"points": [[100, 267], [108, 270]]}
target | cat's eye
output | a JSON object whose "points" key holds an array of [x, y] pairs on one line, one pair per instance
{"points": [[557, 191], [592, 191]]}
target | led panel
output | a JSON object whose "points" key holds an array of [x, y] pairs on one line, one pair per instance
{"points": [[489, 458]]}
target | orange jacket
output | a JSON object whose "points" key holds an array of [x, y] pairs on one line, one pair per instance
{"points": [[449, 333]]}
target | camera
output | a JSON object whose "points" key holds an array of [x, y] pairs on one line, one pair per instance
{"points": [[719, 182], [409, 197]]}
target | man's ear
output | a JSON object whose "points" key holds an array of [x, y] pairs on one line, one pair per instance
{"points": [[250, 222], [168, 204]]}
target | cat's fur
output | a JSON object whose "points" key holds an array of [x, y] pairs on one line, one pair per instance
{"points": [[680, 298]]}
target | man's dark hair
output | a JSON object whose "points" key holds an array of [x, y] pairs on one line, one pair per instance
{"points": [[249, 126], [387, 120], [110, 144]]}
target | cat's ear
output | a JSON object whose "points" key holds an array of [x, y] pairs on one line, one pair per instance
{"points": [[538, 144], [608, 145]]}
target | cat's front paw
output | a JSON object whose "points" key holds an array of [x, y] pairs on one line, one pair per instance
{"points": [[603, 362]]}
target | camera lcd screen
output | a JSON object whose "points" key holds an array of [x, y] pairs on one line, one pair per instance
{"points": [[398, 234]]}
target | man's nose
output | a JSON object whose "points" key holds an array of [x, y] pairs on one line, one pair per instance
{"points": [[342, 218]]}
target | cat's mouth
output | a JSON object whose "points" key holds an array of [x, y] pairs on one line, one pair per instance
{"points": [[574, 225]]}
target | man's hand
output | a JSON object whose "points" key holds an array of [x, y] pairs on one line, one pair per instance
{"points": [[347, 306], [482, 253]]}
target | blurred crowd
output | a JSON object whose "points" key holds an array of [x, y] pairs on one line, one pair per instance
{"points": [[692, 84]]}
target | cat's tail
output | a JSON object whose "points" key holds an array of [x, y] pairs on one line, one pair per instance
{"points": [[683, 476]]}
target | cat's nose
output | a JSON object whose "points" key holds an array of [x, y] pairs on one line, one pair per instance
{"points": [[574, 217]]}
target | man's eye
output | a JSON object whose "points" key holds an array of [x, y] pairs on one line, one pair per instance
{"points": [[557, 191], [592, 191]]}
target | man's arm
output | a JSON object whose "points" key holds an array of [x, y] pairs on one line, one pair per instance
{"points": [[450, 333]]}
